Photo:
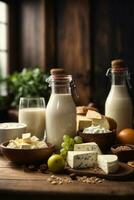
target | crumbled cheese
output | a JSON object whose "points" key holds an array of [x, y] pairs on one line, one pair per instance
{"points": [[27, 142], [95, 129]]}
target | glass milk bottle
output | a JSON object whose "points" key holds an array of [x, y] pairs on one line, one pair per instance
{"points": [[118, 104], [61, 110]]}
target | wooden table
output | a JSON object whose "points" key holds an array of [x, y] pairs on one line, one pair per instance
{"points": [[17, 184]]}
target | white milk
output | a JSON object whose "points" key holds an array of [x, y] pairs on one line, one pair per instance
{"points": [[60, 118], [119, 106], [34, 118]]}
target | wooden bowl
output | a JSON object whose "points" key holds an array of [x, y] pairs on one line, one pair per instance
{"points": [[124, 155], [27, 156], [104, 140]]}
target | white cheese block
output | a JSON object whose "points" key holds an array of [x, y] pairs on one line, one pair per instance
{"points": [[89, 146], [108, 163], [81, 159]]}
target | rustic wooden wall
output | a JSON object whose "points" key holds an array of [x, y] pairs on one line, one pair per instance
{"points": [[82, 36], [73, 43], [32, 32], [57, 33], [113, 31]]}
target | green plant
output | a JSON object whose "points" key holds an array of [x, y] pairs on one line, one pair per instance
{"points": [[27, 83]]}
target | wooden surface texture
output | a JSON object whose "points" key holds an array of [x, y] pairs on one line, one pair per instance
{"points": [[16, 183]]}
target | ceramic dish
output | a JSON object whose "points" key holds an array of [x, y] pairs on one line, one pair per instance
{"points": [[27, 156], [11, 130]]}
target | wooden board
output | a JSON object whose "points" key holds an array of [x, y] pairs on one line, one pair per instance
{"points": [[125, 172]]}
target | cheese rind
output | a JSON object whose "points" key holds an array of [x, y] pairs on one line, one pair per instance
{"points": [[108, 163], [81, 159], [89, 146]]}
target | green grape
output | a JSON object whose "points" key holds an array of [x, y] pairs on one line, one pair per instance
{"points": [[68, 144], [71, 141], [66, 138], [63, 152], [63, 144], [67, 147], [78, 140]]}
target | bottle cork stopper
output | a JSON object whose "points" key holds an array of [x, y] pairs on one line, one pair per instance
{"points": [[57, 71], [118, 63]]}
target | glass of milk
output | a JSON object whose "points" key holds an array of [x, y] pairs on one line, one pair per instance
{"points": [[32, 113]]}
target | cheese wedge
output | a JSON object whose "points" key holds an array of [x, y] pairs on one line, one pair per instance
{"points": [[103, 122], [108, 163], [112, 123], [82, 110], [81, 159], [83, 122], [92, 114], [89, 146]]}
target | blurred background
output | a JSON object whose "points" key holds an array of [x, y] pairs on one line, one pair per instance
{"points": [[82, 36]]}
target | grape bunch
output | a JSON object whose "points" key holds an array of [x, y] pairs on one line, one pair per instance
{"points": [[68, 144]]}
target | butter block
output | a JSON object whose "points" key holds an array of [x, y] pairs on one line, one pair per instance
{"points": [[108, 163], [81, 159], [89, 146], [26, 137]]}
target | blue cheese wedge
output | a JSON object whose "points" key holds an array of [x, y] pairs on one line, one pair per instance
{"points": [[81, 159], [108, 163], [89, 146]]}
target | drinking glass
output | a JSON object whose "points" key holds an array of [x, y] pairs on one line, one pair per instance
{"points": [[32, 113]]}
